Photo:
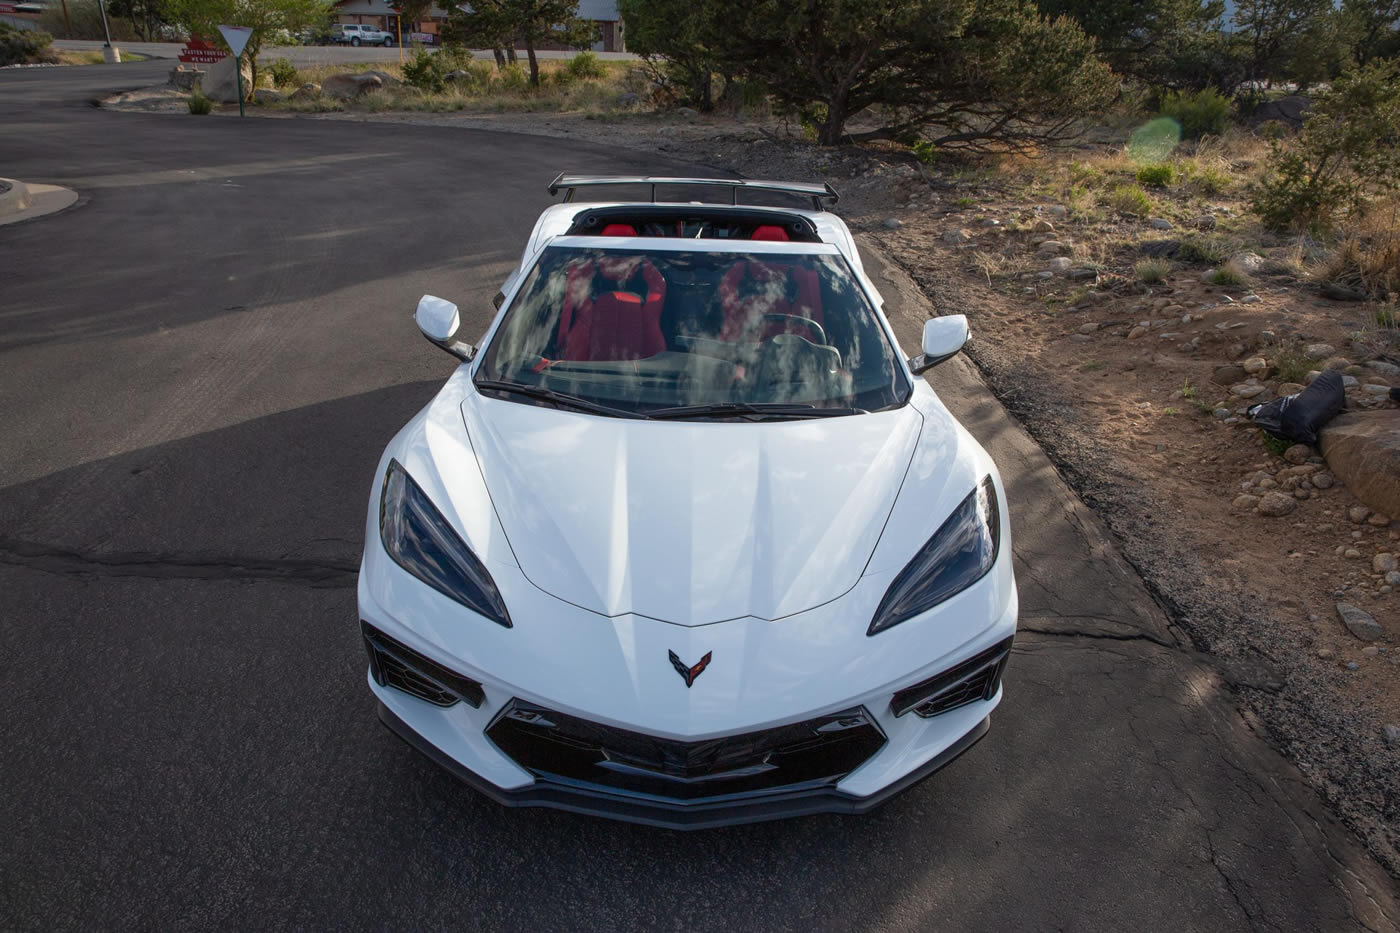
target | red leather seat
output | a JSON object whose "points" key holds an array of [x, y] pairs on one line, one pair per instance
{"points": [[616, 323], [619, 230], [751, 289], [770, 232]]}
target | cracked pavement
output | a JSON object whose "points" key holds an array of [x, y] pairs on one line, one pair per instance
{"points": [[201, 364]]}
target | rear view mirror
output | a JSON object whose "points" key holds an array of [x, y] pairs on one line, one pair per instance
{"points": [[944, 337], [439, 321]]}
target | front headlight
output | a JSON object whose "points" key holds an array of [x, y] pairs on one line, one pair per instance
{"points": [[958, 555], [421, 541]]}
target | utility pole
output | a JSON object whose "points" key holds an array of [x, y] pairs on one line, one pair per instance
{"points": [[67, 23]]}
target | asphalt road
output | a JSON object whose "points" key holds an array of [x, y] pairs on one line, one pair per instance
{"points": [[310, 54], [199, 366]]}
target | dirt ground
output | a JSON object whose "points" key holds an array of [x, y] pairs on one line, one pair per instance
{"points": [[1127, 386]]}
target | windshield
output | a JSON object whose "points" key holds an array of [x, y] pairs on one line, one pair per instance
{"points": [[643, 331]]}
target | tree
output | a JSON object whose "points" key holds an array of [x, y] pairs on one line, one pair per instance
{"points": [[267, 18], [672, 36], [409, 13], [499, 23], [1277, 35], [981, 74], [1371, 29], [1146, 39], [146, 16]]}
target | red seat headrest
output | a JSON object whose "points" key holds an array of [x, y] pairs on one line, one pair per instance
{"points": [[622, 230], [769, 232]]}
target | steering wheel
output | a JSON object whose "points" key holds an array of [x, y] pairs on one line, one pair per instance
{"points": [[807, 322]]}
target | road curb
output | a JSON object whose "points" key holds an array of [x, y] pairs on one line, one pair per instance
{"points": [[23, 201]]}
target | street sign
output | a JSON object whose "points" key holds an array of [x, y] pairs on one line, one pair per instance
{"points": [[237, 37], [199, 52]]}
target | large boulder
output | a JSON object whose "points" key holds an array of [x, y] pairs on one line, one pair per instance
{"points": [[1363, 449], [349, 86], [221, 83], [1289, 110]]}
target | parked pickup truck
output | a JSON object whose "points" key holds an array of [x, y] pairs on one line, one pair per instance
{"points": [[356, 34]]}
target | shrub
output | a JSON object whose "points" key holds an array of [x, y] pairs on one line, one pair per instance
{"points": [[1130, 199], [423, 72], [1344, 156], [1199, 113], [24, 46], [1370, 265], [1208, 180], [1207, 250], [284, 74], [586, 65], [1157, 176], [514, 78], [1290, 365], [1152, 271], [199, 104], [1229, 276]]}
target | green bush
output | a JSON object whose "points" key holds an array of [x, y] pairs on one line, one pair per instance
{"points": [[515, 78], [423, 72], [1207, 250], [1157, 176], [1199, 113], [586, 65], [199, 104], [456, 58], [24, 46], [284, 74], [1344, 156], [1229, 276], [1152, 271], [1130, 199]]}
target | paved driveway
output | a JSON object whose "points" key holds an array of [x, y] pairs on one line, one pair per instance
{"points": [[199, 366]]}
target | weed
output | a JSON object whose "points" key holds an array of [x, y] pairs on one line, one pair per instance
{"points": [[1130, 199], [965, 202], [1205, 408], [1188, 390], [1208, 250], [1093, 366], [1152, 271], [199, 104], [1274, 445], [1367, 264], [1171, 411], [1160, 175], [284, 73], [1290, 364], [1197, 113], [1385, 316]]}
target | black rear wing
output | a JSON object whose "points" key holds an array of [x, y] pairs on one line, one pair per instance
{"points": [[818, 193]]}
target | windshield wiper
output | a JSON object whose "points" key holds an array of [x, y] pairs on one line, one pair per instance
{"points": [[753, 411], [559, 398]]}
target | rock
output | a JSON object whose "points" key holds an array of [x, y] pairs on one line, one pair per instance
{"points": [[1057, 211], [1287, 110], [1059, 264], [1289, 388], [1351, 553], [1359, 623], [1245, 390], [1319, 351], [1353, 666], [1250, 300], [185, 79], [1255, 364], [1350, 382], [1312, 376], [1204, 222], [1248, 261], [1378, 519], [1221, 413], [892, 223], [1342, 292], [266, 95], [1208, 276], [628, 99], [1382, 391], [1358, 514], [1136, 332], [1388, 370], [1053, 248], [956, 237], [1088, 328], [1322, 480], [1245, 503], [1324, 653], [1276, 504], [307, 91], [349, 86], [1080, 275], [1043, 226], [388, 80], [1298, 453], [1336, 362], [1384, 563], [452, 77], [221, 84], [1391, 733], [687, 112], [1392, 577], [1228, 375], [1159, 223]]}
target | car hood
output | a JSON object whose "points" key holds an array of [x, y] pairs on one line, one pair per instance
{"points": [[690, 522]]}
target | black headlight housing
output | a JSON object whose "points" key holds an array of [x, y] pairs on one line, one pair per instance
{"points": [[422, 542], [959, 554]]}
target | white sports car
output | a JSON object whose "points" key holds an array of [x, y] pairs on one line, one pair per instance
{"points": [[685, 540]]}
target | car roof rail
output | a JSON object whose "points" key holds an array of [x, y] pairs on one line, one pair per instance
{"points": [[818, 193]]}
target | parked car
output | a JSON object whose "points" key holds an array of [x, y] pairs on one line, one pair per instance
{"points": [[357, 34], [686, 540]]}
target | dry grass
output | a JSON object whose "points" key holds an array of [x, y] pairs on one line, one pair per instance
{"points": [[1152, 271], [1230, 275]]}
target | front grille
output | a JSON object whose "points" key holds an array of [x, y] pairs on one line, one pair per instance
{"points": [[555, 746], [975, 679], [396, 665]]}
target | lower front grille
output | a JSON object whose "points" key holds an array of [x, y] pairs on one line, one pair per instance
{"points": [[975, 679], [555, 746], [396, 665]]}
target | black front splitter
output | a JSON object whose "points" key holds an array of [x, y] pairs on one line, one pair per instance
{"points": [[730, 811]]}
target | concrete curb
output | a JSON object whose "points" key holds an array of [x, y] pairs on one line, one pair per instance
{"points": [[25, 201]]}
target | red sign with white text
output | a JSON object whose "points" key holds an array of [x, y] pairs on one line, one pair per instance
{"points": [[199, 52]]}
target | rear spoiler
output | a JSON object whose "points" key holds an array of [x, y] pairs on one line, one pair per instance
{"points": [[818, 193]]}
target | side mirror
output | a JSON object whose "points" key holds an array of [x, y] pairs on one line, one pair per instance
{"points": [[439, 321], [943, 339]]}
